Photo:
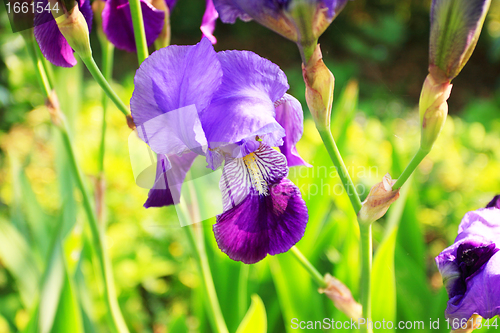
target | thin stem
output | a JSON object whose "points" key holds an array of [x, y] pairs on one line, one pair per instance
{"points": [[139, 31], [366, 272], [98, 242], [107, 68], [336, 158], [107, 275], [243, 290], [198, 245], [317, 277], [419, 156], [96, 73]]}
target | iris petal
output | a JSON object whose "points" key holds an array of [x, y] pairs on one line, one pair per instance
{"points": [[170, 174], [117, 23], [290, 116], [262, 224], [495, 203], [52, 43], [257, 171], [243, 106], [208, 22], [175, 77]]}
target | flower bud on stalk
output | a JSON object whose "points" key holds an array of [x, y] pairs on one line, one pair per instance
{"points": [[379, 200], [341, 297], [455, 29], [320, 83], [74, 28]]}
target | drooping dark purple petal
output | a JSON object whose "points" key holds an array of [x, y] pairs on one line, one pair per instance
{"points": [[208, 22], [170, 174], [258, 170], [117, 23], [243, 106], [290, 116], [262, 224], [471, 266], [52, 43], [482, 294], [170, 4], [495, 203]]}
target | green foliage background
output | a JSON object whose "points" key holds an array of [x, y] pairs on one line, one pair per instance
{"points": [[377, 51]]}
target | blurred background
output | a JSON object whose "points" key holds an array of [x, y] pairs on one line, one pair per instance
{"points": [[378, 52]]}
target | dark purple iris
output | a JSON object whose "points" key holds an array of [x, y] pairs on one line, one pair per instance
{"points": [[117, 21], [52, 43], [232, 108], [471, 267], [277, 15], [495, 203]]}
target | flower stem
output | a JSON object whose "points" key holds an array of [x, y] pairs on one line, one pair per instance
{"points": [[96, 73], [333, 151], [107, 68], [317, 277], [116, 317], [195, 238], [98, 241], [419, 156], [139, 31], [366, 272]]}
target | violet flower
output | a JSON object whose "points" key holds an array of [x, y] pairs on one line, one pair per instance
{"points": [[118, 27], [471, 266], [53, 45], [300, 21], [230, 107]]}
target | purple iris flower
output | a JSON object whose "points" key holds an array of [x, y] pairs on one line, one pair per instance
{"points": [[118, 27], [471, 266], [52, 43], [232, 108], [299, 21]]}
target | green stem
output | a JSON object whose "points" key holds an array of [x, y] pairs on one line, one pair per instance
{"points": [[243, 290], [96, 73], [215, 314], [107, 68], [333, 151], [98, 241], [419, 156], [366, 272], [317, 277], [139, 31], [110, 299]]}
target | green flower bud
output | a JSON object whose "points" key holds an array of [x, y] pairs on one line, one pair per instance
{"points": [[455, 29]]}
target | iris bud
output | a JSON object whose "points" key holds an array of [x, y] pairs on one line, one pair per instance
{"points": [[379, 200], [74, 28], [341, 297], [433, 110], [319, 89], [455, 29]]}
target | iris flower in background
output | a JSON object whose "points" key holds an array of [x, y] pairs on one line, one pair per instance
{"points": [[52, 43], [471, 266], [299, 21], [118, 27], [232, 108]]}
